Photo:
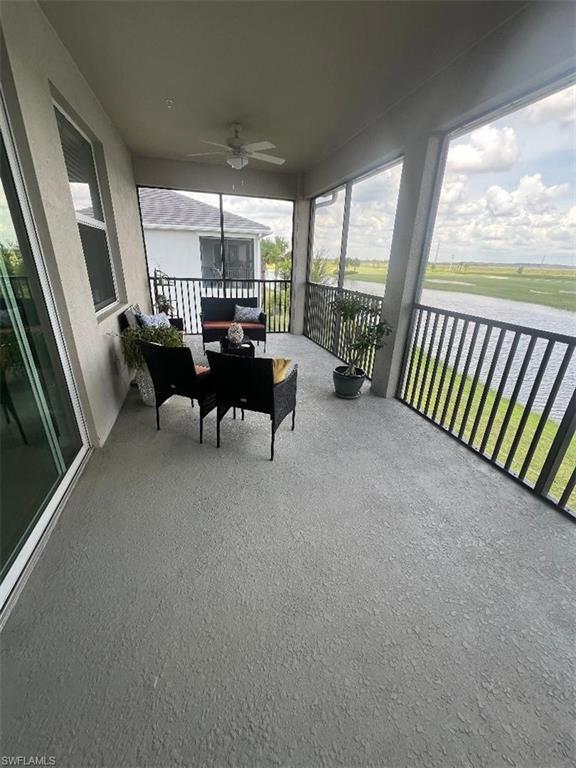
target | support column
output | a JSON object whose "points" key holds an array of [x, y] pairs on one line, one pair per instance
{"points": [[417, 200], [299, 264]]}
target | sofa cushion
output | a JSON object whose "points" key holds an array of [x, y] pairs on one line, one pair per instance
{"points": [[247, 314], [225, 324]]}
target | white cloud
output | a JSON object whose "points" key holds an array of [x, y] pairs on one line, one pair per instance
{"points": [[560, 107], [487, 149], [500, 202], [535, 196], [452, 188], [532, 218]]}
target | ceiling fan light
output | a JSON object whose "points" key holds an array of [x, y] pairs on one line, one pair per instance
{"points": [[237, 162]]}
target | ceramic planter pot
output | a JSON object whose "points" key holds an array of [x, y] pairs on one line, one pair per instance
{"points": [[145, 386], [348, 387]]}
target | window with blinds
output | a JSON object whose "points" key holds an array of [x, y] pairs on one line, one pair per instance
{"points": [[83, 178]]}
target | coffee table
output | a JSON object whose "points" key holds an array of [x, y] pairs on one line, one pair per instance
{"points": [[246, 349]]}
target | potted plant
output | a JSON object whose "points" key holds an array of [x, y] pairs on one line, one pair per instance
{"points": [[358, 338], [131, 338]]}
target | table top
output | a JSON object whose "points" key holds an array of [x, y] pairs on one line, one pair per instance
{"points": [[245, 348]]}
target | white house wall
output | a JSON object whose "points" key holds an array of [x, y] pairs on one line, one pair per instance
{"points": [[177, 252]]}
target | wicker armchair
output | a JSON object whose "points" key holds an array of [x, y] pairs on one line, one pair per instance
{"points": [[247, 383], [173, 373]]}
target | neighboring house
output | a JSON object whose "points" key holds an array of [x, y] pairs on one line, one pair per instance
{"points": [[182, 237]]}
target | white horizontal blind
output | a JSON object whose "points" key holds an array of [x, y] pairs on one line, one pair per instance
{"points": [[83, 179]]}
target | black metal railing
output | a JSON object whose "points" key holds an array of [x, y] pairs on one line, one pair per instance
{"points": [[321, 326], [506, 391], [184, 294]]}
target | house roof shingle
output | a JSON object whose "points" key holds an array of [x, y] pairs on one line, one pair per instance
{"points": [[165, 208]]}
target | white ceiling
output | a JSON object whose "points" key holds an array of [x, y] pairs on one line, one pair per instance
{"points": [[305, 75]]}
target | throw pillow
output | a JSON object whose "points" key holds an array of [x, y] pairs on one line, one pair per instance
{"points": [[280, 368], [155, 321], [132, 317], [247, 314]]}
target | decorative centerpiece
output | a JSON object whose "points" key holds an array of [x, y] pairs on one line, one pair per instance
{"points": [[235, 334], [163, 304]]}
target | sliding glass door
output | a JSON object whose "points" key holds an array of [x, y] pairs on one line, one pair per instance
{"points": [[40, 436]]}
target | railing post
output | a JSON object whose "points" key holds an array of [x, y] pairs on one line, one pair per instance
{"points": [[155, 296], [559, 446], [418, 193]]}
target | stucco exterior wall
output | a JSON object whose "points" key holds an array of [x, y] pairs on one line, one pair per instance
{"points": [[36, 69], [205, 177]]}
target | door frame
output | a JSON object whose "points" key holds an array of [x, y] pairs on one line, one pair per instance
{"points": [[36, 539]]}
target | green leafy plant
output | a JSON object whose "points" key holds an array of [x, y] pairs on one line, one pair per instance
{"points": [[322, 269], [358, 338], [276, 255], [167, 337]]}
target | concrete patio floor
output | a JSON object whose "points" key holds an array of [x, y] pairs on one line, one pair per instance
{"points": [[377, 596]]}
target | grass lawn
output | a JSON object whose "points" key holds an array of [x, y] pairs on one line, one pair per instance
{"points": [[551, 287], [277, 307], [465, 384], [368, 274]]}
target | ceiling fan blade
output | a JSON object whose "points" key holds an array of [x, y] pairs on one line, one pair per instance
{"points": [[215, 144], [203, 154], [267, 158], [258, 146]]}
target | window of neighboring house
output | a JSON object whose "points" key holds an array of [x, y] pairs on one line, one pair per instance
{"points": [[269, 255], [83, 178], [238, 258], [211, 257]]}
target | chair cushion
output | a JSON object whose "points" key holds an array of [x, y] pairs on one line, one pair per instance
{"points": [[280, 368], [200, 369], [247, 314], [225, 324]]}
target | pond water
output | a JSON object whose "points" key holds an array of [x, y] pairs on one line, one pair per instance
{"points": [[516, 312], [519, 313]]}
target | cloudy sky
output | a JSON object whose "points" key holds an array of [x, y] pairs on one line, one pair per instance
{"points": [[372, 211], [509, 188], [508, 194]]}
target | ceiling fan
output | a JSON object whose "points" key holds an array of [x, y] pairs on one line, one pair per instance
{"points": [[239, 153]]}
